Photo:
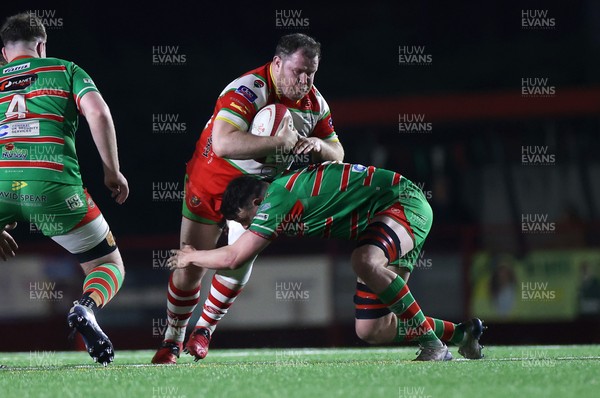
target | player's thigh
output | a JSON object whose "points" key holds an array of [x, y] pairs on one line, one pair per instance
{"points": [[199, 235], [90, 239]]}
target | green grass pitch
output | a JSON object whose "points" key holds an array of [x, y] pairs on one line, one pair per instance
{"points": [[516, 371]]}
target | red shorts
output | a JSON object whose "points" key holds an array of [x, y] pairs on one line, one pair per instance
{"points": [[204, 186], [200, 206]]}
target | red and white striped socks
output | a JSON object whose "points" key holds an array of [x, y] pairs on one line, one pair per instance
{"points": [[180, 306], [218, 302]]}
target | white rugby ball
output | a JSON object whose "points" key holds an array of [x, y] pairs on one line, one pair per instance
{"points": [[270, 120]]}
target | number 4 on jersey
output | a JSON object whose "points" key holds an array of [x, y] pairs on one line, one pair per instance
{"points": [[17, 107]]}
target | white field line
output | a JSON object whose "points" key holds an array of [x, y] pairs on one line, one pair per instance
{"points": [[538, 356]]}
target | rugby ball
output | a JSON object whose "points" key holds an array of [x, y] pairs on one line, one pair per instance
{"points": [[270, 120]]}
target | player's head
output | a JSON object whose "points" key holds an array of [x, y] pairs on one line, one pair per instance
{"points": [[23, 34], [242, 198], [295, 64]]}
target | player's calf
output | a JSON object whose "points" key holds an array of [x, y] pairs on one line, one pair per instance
{"points": [[96, 249], [374, 323]]}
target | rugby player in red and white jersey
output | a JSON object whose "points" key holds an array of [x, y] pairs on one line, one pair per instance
{"points": [[226, 150]]}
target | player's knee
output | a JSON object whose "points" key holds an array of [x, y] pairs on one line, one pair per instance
{"points": [[120, 266], [191, 275], [370, 333], [115, 259], [364, 261]]}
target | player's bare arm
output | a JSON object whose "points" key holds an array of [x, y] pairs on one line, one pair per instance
{"points": [[98, 116], [226, 257], [321, 150], [229, 142]]}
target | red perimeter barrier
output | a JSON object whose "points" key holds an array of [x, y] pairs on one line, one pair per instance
{"points": [[460, 107]]}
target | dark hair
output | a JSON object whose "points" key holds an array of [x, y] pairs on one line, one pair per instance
{"points": [[22, 27], [291, 43], [239, 194]]}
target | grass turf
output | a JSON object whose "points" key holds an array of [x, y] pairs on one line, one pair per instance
{"points": [[531, 371]]}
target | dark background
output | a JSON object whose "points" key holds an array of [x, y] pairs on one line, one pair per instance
{"points": [[476, 48], [470, 92]]}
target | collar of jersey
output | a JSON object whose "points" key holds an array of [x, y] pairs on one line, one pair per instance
{"points": [[21, 57]]}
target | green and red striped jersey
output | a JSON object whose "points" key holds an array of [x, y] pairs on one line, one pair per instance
{"points": [[328, 200], [39, 107]]}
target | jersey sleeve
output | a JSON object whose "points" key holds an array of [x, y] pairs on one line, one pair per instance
{"points": [[324, 128], [240, 101], [82, 84], [275, 209]]}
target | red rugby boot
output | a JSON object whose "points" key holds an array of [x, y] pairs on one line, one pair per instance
{"points": [[197, 344]]}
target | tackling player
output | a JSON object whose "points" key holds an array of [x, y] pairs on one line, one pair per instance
{"points": [[226, 150], [40, 182], [384, 212]]}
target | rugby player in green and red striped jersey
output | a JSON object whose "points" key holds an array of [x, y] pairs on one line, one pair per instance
{"points": [[40, 182], [383, 211]]}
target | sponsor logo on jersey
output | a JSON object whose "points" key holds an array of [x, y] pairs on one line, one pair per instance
{"points": [[238, 107], [87, 80], [16, 68], [246, 92], [268, 171], [74, 202], [262, 216], [17, 83], [207, 147], [16, 185], [10, 152], [259, 83], [330, 122], [264, 207], [358, 168], [20, 129]]}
